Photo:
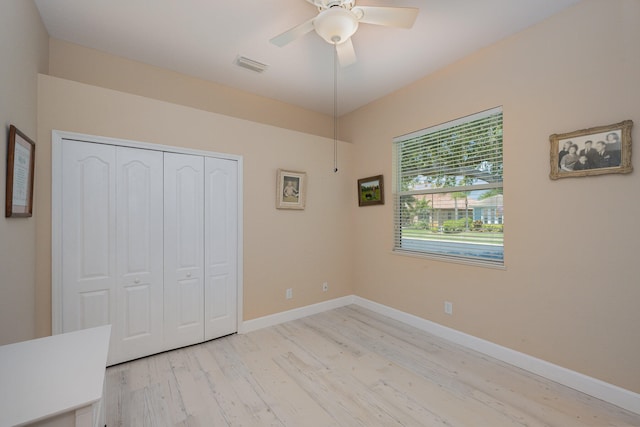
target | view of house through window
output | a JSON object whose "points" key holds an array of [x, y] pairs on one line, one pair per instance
{"points": [[448, 190]]}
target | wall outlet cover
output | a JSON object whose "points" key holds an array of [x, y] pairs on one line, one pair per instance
{"points": [[448, 307]]}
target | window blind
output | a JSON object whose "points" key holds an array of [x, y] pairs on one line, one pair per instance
{"points": [[448, 198]]}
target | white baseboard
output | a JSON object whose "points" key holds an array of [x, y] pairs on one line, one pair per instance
{"points": [[593, 387], [296, 313]]}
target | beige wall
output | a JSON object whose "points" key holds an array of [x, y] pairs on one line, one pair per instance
{"points": [[282, 249], [24, 52], [570, 291], [73, 62]]}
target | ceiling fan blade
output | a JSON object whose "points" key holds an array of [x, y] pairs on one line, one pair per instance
{"points": [[346, 53], [402, 17], [292, 34]]}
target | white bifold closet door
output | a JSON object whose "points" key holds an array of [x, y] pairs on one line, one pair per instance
{"points": [[112, 245], [199, 251], [183, 248], [221, 247], [139, 252], [149, 245]]}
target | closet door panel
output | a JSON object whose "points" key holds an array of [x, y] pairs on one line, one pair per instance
{"points": [[221, 236], [183, 249], [139, 256], [88, 227], [93, 309], [189, 294]]}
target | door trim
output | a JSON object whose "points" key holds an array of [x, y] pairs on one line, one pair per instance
{"points": [[57, 138]]}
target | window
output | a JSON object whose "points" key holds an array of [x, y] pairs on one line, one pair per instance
{"points": [[448, 190]]}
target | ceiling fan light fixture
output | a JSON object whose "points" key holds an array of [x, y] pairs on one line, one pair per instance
{"points": [[335, 25]]}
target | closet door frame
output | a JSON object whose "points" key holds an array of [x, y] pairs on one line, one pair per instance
{"points": [[57, 138]]}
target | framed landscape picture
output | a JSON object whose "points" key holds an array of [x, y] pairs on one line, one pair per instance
{"points": [[371, 191], [594, 151], [291, 189]]}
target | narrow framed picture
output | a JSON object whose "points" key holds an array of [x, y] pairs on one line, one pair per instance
{"points": [[291, 189], [371, 191], [594, 151], [21, 157]]}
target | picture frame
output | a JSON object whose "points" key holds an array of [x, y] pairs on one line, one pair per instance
{"points": [[371, 191], [595, 151], [291, 190], [21, 152]]}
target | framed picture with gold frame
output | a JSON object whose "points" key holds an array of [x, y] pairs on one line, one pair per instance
{"points": [[21, 158], [595, 151]]}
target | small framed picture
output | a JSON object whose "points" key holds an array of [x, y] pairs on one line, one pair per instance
{"points": [[371, 191], [20, 167], [595, 151], [291, 189]]}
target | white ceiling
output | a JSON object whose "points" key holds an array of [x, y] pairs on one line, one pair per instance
{"points": [[202, 38]]}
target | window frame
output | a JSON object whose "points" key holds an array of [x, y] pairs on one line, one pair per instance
{"points": [[398, 193]]}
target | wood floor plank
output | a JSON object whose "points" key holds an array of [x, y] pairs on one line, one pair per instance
{"points": [[238, 404], [510, 384], [472, 391], [345, 367], [371, 372], [292, 405], [428, 392]]}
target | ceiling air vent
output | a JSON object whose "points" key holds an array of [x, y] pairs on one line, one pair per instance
{"points": [[250, 64]]}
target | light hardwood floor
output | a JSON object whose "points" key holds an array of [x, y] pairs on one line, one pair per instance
{"points": [[346, 367]]}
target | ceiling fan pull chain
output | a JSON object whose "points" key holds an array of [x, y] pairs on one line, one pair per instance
{"points": [[335, 108]]}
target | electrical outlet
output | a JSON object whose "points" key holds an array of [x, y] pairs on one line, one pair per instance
{"points": [[325, 287], [448, 307], [289, 293]]}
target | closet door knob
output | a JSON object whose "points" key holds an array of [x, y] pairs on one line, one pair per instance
{"points": [[136, 281], [188, 274]]}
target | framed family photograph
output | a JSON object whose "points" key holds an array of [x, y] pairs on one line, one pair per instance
{"points": [[291, 189], [21, 157], [594, 151], [371, 191]]}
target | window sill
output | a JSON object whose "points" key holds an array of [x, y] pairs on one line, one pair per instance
{"points": [[451, 259]]}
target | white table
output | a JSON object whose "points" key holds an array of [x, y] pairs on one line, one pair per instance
{"points": [[53, 376]]}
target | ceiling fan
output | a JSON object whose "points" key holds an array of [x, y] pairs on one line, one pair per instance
{"points": [[338, 20]]}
